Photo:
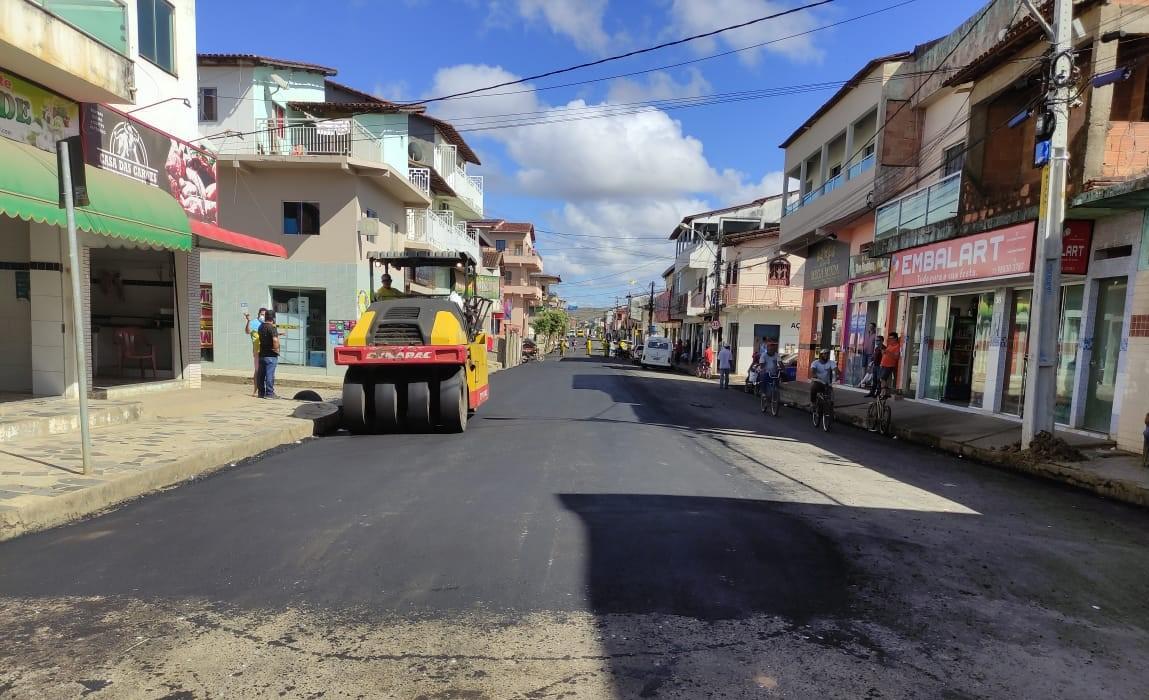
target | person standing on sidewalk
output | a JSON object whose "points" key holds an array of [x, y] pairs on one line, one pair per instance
{"points": [[251, 330], [725, 360], [891, 354], [268, 355], [868, 341]]}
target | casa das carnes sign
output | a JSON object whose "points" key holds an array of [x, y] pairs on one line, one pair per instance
{"points": [[999, 253], [117, 143]]}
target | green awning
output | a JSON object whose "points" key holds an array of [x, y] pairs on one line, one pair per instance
{"points": [[121, 208]]}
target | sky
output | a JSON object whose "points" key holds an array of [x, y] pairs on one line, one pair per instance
{"points": [[604, 192]]}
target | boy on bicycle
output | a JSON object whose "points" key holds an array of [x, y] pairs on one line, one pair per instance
{"points": [[822, 373]]}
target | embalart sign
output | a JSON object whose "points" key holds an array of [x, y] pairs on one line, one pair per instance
{"points": [[998, 253]]}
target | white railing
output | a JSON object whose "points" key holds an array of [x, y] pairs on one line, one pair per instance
{"points": [[420, 178], [919, 208], [469, 188], [440, 230]]}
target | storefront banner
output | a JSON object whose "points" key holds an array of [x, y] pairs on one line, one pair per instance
{"points": [[999, 253], [828, 264], [120, 144], [488, 287], [1076, 241], [865, 266], [35, 116]]}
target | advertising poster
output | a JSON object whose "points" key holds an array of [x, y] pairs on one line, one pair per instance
{"points": [[122, 145], [35, 116]]}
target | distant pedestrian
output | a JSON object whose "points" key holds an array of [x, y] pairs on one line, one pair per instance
{"points": [[251, 330], [725, 365], [874, 370], [268, 355], [868, 346]]}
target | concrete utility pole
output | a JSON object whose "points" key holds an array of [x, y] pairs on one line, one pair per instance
{"points": [[629, 320], [650, 311], [65, 159], [1040, 390], [716, 299]]}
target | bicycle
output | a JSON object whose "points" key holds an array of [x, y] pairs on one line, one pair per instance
{"points": [[770, 397], [822, 411], [879, 416]]}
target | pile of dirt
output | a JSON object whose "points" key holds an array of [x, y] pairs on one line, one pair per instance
{"points": [[1045, 447]]}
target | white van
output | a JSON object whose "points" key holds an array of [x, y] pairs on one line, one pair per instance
{"points": [[656, 352]]}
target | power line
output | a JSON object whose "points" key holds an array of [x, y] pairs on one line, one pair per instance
{"points": [[628, 54]]}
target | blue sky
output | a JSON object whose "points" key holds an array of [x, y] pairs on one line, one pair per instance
{"points": [[619, 181]]}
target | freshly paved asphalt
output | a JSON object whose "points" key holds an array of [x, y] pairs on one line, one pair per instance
{"points": [[599, 531]]}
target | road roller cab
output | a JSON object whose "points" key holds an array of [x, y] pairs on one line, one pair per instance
{"points": [[417, 362]]}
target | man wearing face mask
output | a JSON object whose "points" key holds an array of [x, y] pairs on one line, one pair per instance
{"points": [[251, 330]]}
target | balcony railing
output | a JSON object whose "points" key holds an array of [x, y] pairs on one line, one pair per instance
{"points": [[308, 137], [420, 178], [451, 167], [830, 185], [528, 259], [762, 295], [440, 230], [106, 21], [524, 290], [919, 208], [697, 301]]}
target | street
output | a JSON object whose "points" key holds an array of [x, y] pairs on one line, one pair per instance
{"points": [[599, 531]]}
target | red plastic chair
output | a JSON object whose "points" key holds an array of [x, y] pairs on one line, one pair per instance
{"points": [[134, 348]]}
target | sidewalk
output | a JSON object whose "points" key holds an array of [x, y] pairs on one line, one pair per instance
{"points": [[988, 439], [164, 438]]}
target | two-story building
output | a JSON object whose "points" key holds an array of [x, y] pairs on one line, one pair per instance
{"points": [[113, 71], [973, 201], [694, 284], [332, 174]]}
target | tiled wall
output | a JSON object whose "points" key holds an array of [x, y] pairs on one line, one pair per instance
{"points": [[238, 278], [15, 313]]}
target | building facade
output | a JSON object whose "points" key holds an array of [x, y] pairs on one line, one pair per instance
{"points": [[525, 285], [331, 174]]}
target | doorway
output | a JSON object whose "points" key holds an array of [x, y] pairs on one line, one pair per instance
{"points": [[1013, 386], [828, 328], [958, 353], [133, 311], [1108, 325], [733, 342]]}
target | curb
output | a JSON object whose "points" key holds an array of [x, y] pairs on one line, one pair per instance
{"points": [[206, 459], [1115, 489]]}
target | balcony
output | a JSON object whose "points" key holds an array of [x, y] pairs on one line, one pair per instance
{"points": [[700, 256], [697, 304], [79, 50], [469, 188], [438, 230], [922, 207], [528, 259], [768, 297], [421, 179], [836, 198], [528, 291]]}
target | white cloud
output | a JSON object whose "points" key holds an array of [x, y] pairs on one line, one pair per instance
{"points": [[697, 16], [579, 20], [624, 177], [659, 85]]}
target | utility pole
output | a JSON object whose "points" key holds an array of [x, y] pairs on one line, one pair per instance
{"points": [[1040, 390], [716, 298], [629, 321], [650, 311], [66, 157]]}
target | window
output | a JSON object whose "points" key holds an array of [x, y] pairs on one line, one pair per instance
{"points": [[208, 105], [300, 218], [500, 245], [370, 214], [154, 19], [507, 276], [518, 249], [301, 317], [732, 272], [953, 159]]}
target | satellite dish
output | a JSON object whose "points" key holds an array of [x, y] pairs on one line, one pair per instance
{"points": [[415, 151], [275, 78]]}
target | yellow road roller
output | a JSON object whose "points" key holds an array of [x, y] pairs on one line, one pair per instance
{"points": [[417, 362]]}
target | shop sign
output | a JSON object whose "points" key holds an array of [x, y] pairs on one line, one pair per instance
{"points": [[487, 286], [865, 266], [35, 116], [828, 264], [998, 253], [779, 273], [120, 144], [1075, 244]]}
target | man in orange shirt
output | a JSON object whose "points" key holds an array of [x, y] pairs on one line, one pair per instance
{"points": [[891, 354]]}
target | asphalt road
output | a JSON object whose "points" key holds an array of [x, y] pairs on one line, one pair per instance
{"points": [[599, 532]]}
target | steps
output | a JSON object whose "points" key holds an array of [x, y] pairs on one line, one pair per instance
{"points": [[35, 418]]}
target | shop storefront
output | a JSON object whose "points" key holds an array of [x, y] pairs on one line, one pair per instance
{"points": [[868, 307], [822, 324], [967, 324]]}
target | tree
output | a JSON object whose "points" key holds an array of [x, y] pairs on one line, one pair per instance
{"points": [[551, 326]]}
